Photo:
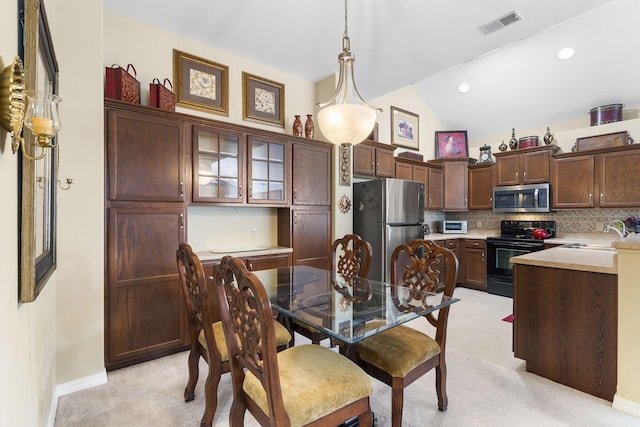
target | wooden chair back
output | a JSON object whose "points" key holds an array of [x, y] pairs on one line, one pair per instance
{"points": [[250, 334], [420, 265], [200, 308], [351, 256]]}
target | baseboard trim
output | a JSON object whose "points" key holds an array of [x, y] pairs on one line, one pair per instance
{"points": [[626, 405], [71, 387]]}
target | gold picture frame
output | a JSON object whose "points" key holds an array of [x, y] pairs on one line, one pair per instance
{"points": [[201, 84], [38, 178], [263, 100], [405, 128]]}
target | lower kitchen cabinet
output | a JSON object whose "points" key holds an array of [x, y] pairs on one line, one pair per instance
{"points": [[475, 264], [453, 245], [145, 311]]}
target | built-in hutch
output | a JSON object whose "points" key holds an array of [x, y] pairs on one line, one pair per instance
{"points": [[157, 163]]}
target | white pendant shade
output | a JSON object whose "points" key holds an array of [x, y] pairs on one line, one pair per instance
{"points": [[346, 123]]}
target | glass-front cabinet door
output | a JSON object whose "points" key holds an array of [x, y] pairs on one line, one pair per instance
{"points": [[268, 162], [218, 157]]}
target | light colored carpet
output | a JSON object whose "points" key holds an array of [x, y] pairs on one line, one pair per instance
{"points": [[486, 386]]}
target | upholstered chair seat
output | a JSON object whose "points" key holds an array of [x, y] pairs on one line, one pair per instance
{"points": [[337, 382]]}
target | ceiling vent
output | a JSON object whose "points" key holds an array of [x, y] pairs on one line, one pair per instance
{"points": [[501, 22]]}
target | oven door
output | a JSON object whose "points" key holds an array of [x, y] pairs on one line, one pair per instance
{"points": [[499, 253]]}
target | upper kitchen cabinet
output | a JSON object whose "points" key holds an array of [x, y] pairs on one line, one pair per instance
{"points": [[373, 159], [312, 174], [435, 198], [145, 155], [525, 166], [481, 186], [596, 179], [218, 165], [268, 171], [232, 167], [455, 183]]}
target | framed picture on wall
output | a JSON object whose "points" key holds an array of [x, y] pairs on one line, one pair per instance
{"points": [[201, 84], [452, 143], [263, 100], [404, 129]]}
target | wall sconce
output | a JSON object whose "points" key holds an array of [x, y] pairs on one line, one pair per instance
{"points": [[38, 111]]}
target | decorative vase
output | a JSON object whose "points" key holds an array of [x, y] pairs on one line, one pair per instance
{"points": [[297, 126], [548, 138], [513, 142], [308, 127], [503, 147]]}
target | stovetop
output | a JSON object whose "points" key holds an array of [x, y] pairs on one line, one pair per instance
{"points": [[523, 230]]}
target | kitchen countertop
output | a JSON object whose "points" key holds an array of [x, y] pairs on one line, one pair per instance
{"points": [[596, 261], [217, 254]]}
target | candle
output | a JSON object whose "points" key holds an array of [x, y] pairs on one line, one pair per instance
{"points": [[42, 126]]}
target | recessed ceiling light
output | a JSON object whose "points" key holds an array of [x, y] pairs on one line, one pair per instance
{"points": [[464, 88], [566, 53]]}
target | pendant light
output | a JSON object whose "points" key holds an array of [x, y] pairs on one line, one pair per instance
{"points": [[346, 118]]}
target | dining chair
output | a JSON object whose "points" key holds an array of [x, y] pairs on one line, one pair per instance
{"points": [[306, 385], [401, 355], [207, 335], [351, 256]]}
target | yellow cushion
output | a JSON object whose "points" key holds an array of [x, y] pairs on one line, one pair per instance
{"points": [[282, 338], [315, 382], [397, 350]]}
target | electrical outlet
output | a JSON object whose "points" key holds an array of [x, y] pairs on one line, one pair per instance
{"points": [[253, 233], [599, 226], [478, 224]]}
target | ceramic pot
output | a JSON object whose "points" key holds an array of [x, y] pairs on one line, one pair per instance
{"points": [[540, 234], [297, 126], [308, 127]]}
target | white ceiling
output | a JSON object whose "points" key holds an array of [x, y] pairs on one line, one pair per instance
{"points": [[434, 45]]}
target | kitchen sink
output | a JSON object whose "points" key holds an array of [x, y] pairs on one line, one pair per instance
{"points": [[589, 246]]}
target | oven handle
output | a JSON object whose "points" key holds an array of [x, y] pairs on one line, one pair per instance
{"points": [[514, 245]]}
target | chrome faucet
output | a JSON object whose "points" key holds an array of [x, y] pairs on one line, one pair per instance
{"points": [[619, 224]]}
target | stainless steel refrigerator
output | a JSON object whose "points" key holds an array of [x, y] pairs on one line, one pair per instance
{"points": [[387, 213]]}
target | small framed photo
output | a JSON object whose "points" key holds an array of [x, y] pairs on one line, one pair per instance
{"points": [[452, 143], [263, 100], [404, 129], [201, 84]]}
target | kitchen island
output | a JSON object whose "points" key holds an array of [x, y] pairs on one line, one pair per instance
{"points": [[565, 308]]}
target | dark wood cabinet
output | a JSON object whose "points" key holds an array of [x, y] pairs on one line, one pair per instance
{"points": [[600, 179], [455, 181], [474, 274], [565, 326], [311, 174], [435, 198], [218, 165], [481, 186], [254, 263], [308, 231], [526, 166], [373, 159], [145, 157], [145, 211]]}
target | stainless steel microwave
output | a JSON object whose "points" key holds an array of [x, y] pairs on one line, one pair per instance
{"points": [[452, 226], [522, 198]]}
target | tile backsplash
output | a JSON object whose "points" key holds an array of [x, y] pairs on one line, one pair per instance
{"points": [[567, 221]]}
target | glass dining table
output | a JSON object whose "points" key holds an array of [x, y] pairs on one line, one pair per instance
{"points": [[346, 308]]}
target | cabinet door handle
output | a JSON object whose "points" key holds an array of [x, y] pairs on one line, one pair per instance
{"points": [[249, 265], [295, 194], [239, 191], [466, 201], [516, 176], [182, 189], [525, 176], [591, 198], [181, 220], [601, 197], [377, 167], [295, 218], [373, 167]]}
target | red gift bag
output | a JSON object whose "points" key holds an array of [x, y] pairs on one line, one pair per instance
{"points": [[162, 97], [121, 85]]}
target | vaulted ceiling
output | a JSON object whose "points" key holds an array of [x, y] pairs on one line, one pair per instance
{"points": [[514, 75]]}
